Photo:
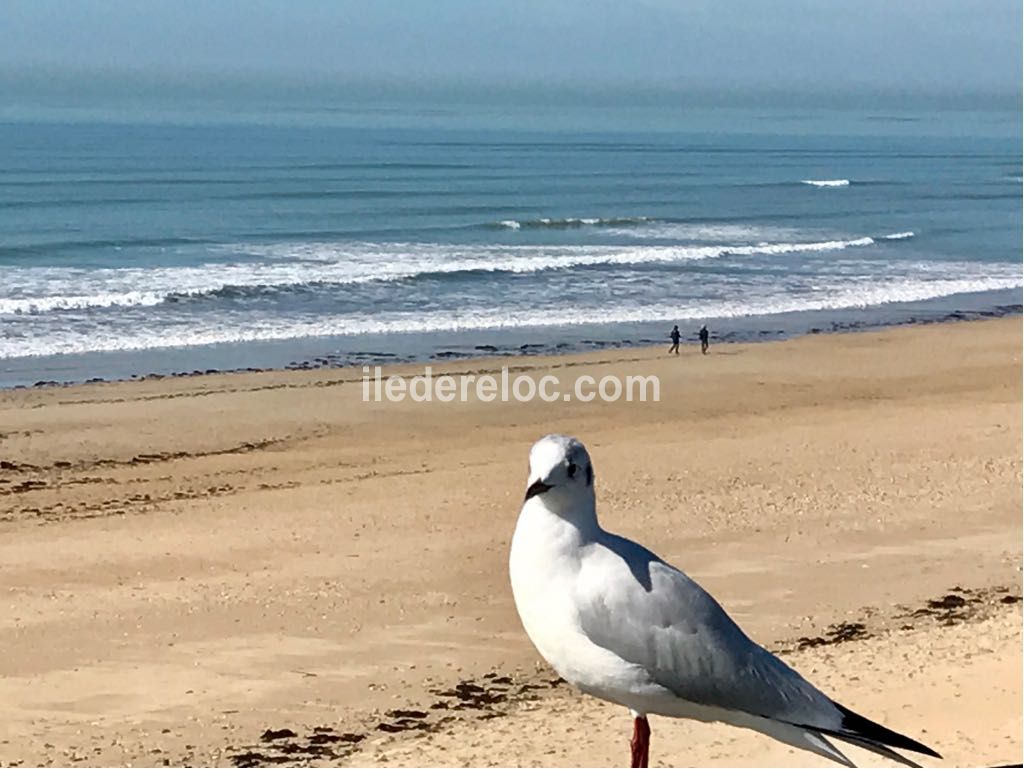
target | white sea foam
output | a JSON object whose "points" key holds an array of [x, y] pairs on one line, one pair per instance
{"points": [[40, 290], [899, 236], [707, 232], [572, 222], [826, 182], [41, 304], [864, 292]]}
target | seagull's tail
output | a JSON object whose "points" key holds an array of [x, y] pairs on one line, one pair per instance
{"points": [[853, 729], [881, 750], [865, 733]]}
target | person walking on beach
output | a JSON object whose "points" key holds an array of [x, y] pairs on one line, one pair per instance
{"points": [[704, 337], [674, 336]]}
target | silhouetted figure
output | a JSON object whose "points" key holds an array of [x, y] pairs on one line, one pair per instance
{"points": [[674, 336], [704, 337]]}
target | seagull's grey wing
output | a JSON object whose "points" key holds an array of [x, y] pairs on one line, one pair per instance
{"points": [[667, 624], [652, 615]]}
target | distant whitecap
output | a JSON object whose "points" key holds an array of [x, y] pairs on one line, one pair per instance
{"points": [[826, 182]]}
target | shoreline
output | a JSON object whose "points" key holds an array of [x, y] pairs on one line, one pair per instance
{"points": [[193, 563], [325, 360]]}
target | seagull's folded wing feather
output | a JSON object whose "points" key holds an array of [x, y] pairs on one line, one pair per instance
{"points": [[653, 616]]}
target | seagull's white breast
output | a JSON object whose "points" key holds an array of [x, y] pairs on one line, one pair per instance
{"points": [[544, 566]]}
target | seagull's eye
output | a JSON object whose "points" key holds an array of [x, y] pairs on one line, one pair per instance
{"points": [[571, 469]]}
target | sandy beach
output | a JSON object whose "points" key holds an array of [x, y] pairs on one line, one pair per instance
{"points": [[250, 569]]}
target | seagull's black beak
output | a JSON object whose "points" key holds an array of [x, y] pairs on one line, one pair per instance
{"points": [[537, 487]]}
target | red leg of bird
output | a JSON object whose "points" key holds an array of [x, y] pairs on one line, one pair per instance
{"points": [[640, 745]]}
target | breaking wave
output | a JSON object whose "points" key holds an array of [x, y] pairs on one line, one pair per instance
{"points": [[826, 182], [570, 223], [42, 290]]}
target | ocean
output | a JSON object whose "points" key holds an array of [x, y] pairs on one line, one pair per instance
{"points": [[173, 246]]}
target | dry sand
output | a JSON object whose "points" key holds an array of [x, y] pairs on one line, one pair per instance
{"points": [[187, 563]]}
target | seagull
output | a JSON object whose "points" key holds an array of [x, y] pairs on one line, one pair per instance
{"points": [[620, 624]]}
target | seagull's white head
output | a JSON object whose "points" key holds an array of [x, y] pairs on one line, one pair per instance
{"points": [[560, 471]]}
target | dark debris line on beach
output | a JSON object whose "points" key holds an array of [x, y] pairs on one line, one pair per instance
{"points": [[490, 696], [957, 605]]}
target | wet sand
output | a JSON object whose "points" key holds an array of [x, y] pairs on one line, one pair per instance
{"points": [[205, 570]]}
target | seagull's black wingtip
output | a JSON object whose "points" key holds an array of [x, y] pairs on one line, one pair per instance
{"points": [[857, 725]]}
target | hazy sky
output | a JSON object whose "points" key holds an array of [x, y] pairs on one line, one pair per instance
{"points": [[907, 45]]}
